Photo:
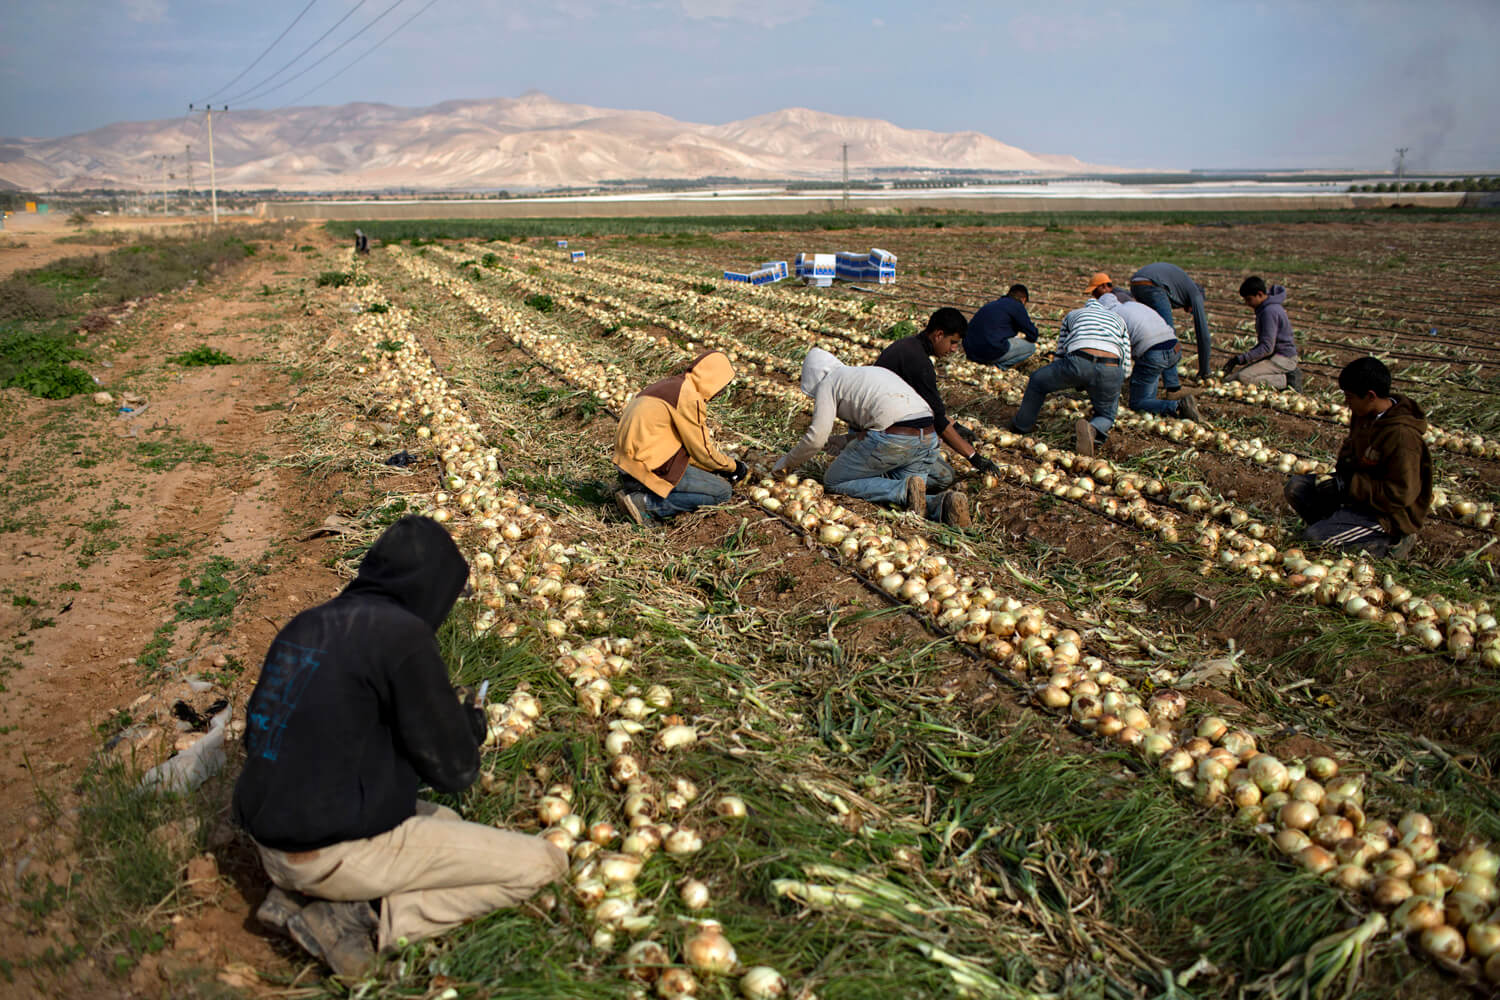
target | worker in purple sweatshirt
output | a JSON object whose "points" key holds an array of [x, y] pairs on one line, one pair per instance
{"points": [[1273, 359]]}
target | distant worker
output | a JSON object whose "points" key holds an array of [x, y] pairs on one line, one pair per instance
{"points": [[668, 463], [1155, 354], [1273, 359], [911, 358], [892, 456], [1165, 287], [361, 242], [1093, 353], [1001, 332], [1381, 487]]}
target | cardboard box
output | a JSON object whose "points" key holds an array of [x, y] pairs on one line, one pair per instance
{"points": [[575, 254], [562, 244], [736, 276]]}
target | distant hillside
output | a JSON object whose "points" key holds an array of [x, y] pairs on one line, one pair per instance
{"points": [[526, 142]]}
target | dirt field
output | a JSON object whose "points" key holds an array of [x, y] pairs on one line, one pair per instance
{"points": [[152, 544]]}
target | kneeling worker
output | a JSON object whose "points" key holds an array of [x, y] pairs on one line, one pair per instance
{"points": [[892, 455], [668, 463], [1093, 353], [353, 710], [1381, 488]]}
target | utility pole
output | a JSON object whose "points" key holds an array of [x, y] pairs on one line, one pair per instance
{"points": [[163, 160], [213, 184], [1400, 166], [187, 157], [846, 177]]}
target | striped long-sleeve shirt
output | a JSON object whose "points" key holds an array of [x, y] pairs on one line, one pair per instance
{"points": [[1096, 328]]}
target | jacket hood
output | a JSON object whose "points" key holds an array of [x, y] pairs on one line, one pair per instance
{"points": [[710, 374], [1275, 296], [1109, 300], [416, 564], [816, 367], [1406, 411]]}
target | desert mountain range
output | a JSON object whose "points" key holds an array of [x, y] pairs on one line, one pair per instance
{"points": [[532, 141]]}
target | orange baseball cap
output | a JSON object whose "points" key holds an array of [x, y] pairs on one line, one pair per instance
{"points": [[1099, 278]]}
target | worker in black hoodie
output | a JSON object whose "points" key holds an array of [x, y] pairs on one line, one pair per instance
{"points": [[352, 712]]}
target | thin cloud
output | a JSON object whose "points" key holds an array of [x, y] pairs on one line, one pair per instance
{"points": [[761, 13], [146, 11]]}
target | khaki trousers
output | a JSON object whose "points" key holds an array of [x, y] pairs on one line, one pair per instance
{"points": [[432, 872], [1270, 371]]}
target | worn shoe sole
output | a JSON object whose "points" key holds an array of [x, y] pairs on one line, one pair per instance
{"points": [[1083, 438], [1187, 408], [339, 934], [278, 908], [916, 495], [956, 509], [1403, 548], [630, 508]]}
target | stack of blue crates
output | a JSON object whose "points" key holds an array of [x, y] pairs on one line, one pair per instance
{"points": [[769, 271], [562, 244], [575, 255], [821, 268]]}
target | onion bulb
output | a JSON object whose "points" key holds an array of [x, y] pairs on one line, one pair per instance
{"points": [[1417, 913], [709, 951], [762, 982], [1297, 814], [644, 961], [676, 983], [730, 807], [1388, 891], [1484, 940], [1443, 942], [694, 894]]}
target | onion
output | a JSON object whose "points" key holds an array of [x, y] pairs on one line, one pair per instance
{"points": [[683, 841], [1478, 861], [731, 807], [1443, 942], [1297, 814], [1479, 887], [1315, 859], [644, 961], [552, 808], [1213, 728], [615, 868], [1268, 773], [1414, 823], [1462, 909], [676, 983], [1308, 790], [694, 894], [676, 736], [1291, 841], [1389, 891], [1351, 877], [1484, 940], [1417, 913], [709, 951], [761, 982], [1396, 863], [1240, 743], [1323, 768]]}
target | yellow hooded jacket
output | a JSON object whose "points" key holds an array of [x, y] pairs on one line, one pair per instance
{"points": [[665, 427]]}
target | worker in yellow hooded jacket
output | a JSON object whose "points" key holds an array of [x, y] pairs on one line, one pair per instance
{"points": [[668, 463]]}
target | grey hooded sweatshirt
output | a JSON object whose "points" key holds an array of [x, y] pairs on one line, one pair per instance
{"points": [[1273, 330], [864, 397]]}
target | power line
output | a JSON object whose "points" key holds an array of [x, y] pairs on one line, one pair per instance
{"points": [[359, 57], [327, 55], [267, 52], [299, 55]]}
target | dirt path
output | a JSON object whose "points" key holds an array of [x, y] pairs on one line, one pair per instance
{"points": [[151, 547]]}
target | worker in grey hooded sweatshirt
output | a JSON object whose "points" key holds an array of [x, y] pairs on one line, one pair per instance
{"points": [[892, 456]]}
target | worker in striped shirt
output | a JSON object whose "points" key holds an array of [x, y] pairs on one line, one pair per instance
{"points": [[1093, 353]]}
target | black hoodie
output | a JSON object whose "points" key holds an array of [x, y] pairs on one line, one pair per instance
{"points": [[354, 709]]}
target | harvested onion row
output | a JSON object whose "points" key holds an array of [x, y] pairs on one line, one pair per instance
{"points": [[1314, 815], [602, 881]]}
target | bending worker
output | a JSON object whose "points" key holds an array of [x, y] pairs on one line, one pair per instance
{"points": [[911, 358], [1165, 287], [352, 712], [668, 463], [892, 455]]}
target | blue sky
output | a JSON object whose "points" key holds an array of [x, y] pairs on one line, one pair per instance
{"points": [[1170, 84]]}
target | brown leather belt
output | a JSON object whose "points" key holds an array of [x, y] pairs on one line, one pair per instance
{"points": [[1141, 281], [1100, 358], [909, 431]]}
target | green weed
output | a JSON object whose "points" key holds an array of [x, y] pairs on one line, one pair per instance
{"points": [[201, 356]]}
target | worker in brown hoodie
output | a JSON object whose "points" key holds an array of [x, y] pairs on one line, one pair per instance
{"points": [[1381, 488], [668, 463]]}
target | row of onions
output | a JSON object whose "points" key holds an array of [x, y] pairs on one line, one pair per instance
{"points": [[1294, 403], [1010, 385], [1460, 629], [516, 565], [1019, 638]]}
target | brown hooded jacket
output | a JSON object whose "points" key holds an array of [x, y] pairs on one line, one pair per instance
{"points": [[665, 427], [1388, 467]]}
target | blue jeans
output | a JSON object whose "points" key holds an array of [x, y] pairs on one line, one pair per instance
{"points": [[1157, 364], [1155, 297], [1333, 520], [875, 468], [1102, 381], [695, 489], [1017, 349]]}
